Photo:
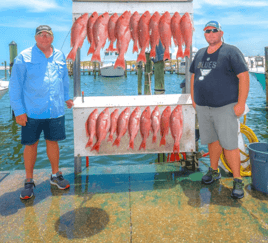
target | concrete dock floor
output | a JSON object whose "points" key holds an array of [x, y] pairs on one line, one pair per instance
{"points": [[131, 203]]}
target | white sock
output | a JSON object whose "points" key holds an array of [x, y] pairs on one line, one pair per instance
{"points": [[54, 175]]}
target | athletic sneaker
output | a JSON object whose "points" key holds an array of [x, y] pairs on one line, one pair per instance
{"points": [[238, 191], [59, 181], [211, 176], [27, 192]]}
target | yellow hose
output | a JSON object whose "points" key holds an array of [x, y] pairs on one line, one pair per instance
{"points": [[252, 138]]}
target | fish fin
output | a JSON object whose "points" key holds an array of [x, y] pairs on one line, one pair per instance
{"points": [[154, 139], [143, 145], [131, 144], [91, 49], [96, 147], [179, 53], [72, 55], [110, 138], [96, 56], [117, 142], [120, 62], [187, 52], [141, 57], [163, 141], [166, 55], [135, 48]]}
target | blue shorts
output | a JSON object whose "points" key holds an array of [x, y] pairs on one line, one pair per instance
{"points": [[54, 130]]}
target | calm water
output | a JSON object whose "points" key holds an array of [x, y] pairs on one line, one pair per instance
{"points": [[11, 151]]}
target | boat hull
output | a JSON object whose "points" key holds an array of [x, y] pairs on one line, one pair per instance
{"points": [[110, 71], [3, 88]]}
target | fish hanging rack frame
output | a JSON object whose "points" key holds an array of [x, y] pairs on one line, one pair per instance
{"points": [[100, 6]]}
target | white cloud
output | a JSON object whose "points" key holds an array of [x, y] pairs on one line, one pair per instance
{"points": [[32, 5]]}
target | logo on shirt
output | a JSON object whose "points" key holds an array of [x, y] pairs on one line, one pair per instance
{"points": [[204, 73]]}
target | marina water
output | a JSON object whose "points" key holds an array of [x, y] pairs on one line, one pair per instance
{"points": [[11, 151]]}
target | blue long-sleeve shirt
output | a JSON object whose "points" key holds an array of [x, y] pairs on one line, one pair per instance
{"points": [[39, 86]]}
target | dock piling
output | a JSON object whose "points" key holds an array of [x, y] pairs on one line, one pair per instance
{"points": [[266, 73], [147, 75], [139, 72]]}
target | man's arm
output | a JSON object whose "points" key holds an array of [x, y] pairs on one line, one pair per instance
{"points": [[192, 90], [239, 108]]}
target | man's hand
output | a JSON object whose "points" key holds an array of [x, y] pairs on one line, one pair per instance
{"points": [[69, 103], [239, 109], [21, 119]]}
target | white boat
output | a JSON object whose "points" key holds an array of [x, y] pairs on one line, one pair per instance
{"points": [[107, 69], [3, 88]]}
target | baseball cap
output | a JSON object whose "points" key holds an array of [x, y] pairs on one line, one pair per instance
{"points": [[213, 24], [43, 28]]}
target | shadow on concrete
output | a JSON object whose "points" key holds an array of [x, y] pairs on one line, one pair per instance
{"points": [[256, 194], [82, 223]]}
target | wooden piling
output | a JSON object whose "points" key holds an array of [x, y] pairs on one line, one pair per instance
{"points": [[139, 72], [125, 69], [159, 82], [266, 73], [147, 75]]}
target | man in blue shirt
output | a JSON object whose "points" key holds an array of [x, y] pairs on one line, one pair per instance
{"points": [[38, 89]]}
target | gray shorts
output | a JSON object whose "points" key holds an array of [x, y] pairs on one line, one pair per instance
{"points": [[218, 123]]}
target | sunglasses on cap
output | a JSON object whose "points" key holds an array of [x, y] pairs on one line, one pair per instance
{"points": [[211, 30]]}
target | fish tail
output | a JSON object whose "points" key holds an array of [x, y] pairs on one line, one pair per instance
{"points": [[117, 141], [143, 145], [111, 47], [96, 56], [179, 53], [187, 52], [91, 49], [178, 157], [110, 138], [154, 138], [163, 141], [135, 47], [96, 147], [166, 55], [141, 57], [176, 148], [72, 55], [90, 142], [152, 54], [120, 62], [131, 144]]}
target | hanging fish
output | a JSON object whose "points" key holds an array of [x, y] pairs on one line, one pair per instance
{"points": [[100, 34], [164, 124], [78, 34], [176, 33], [176, 127], [134, 125], [187, 32], [102, 127], [144, 35], [91, 20], [154, 33], [165, 33], [133, 24], [155, 121], [122, 125], [114, 118], [111, 29], [91, 127], [145, 126], [122, 34]]}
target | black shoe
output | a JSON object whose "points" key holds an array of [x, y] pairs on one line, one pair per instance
{"points": [[27, 192], [211, 176], [238, 191], [59, 181]]}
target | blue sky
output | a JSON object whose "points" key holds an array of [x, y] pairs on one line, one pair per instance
{"points": [[245, 24]]}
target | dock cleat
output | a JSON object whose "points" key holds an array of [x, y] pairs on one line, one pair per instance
{"points": [[211, 176], [59, 181], [238, 191], [27, 192]]}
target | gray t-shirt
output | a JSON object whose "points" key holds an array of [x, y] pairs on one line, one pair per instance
{"points": [[216, 82]]}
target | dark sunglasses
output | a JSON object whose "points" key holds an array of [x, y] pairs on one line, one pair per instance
{"points": [[211, 30]]}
